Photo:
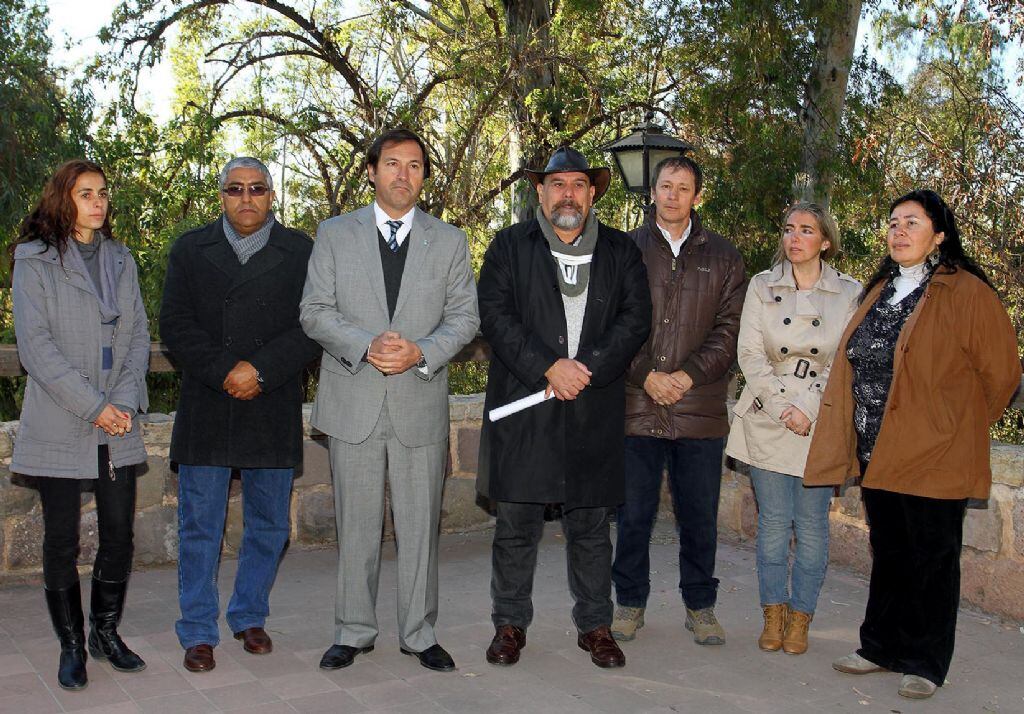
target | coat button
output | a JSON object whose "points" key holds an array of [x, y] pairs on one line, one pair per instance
{"points": [[778, 298], [814, 350], [815, 322], [662, 358], [813, 373], [228, 301], [227, 341], [561, 339], [259, 342], [666, 320], [596, 352], [784, 350], [782, 391], [786, 321]]}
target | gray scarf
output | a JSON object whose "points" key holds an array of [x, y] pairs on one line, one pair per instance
{"points": [[246, 247], [573, 260], [106, 291]]}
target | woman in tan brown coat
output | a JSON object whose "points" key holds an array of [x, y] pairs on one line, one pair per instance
{"points": [[927, 363], [793, 317]]}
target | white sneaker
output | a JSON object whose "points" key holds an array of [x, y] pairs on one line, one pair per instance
{"points": [[915, 687], [855, 664]]}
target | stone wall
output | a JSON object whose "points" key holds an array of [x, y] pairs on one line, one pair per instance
{"points": [[993, 556], [156, 520], [992, 563]]}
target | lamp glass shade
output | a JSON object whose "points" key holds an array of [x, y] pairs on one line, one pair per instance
{"points": [[656, 156], [631, 166]]}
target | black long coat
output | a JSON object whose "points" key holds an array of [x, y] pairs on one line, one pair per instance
{"points": [[558, 452], [216, 312]]}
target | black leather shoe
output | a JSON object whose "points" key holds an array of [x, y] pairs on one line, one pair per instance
{"points": [[434, 657], [338, 656]]}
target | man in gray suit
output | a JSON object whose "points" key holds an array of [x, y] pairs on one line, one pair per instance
{"points": [[390, 296]]}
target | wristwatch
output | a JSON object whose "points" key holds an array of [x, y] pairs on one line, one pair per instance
{"points": [[422, 364], [259, 377]]}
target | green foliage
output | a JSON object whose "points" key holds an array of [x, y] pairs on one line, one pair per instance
{"points": [[306, 86], [42, 121]]}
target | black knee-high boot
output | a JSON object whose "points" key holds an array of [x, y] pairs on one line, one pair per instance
{"points": [[104, 642], [66, 615]]}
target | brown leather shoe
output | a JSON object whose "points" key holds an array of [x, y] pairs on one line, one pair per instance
{"points": [[199, 658], [255, 640], [506, 645], [604, 652]]}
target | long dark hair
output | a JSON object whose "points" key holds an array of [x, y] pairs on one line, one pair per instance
{"points": [[951, 249], [52, 221]]}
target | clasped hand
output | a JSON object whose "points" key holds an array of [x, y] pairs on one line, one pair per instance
{"points": [[566, 379], [391, 353], [242, 382], [667, 388], [796, 421], [114, 421]]}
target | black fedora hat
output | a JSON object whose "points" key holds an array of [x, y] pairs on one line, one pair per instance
{"points": [[568, 160]]}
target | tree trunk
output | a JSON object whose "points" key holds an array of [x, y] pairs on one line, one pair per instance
{"points": [[824, 99], [527, 25]]}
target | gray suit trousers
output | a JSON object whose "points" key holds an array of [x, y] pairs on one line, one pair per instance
{"points": [[415, 476]]}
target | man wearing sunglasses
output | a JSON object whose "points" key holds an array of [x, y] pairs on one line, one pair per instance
{"points": [[230, 317]]}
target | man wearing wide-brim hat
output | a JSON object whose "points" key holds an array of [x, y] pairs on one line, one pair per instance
{"points": [[564, 304]]}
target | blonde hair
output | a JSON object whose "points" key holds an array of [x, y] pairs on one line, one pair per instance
{"points": [[826, 224]]}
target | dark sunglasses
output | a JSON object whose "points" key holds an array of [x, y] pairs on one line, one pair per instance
{"points": [[237, 190]]}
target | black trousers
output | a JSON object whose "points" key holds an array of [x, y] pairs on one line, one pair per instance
{"points": [[910, 620], [514, 559], [115, 514]]}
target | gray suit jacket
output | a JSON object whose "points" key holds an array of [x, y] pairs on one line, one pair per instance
{"points": [[344, 307]]}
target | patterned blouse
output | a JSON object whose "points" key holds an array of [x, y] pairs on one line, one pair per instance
{"points": [[870, 351]]}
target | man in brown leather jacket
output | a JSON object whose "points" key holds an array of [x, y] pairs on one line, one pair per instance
{"points": [[675, 401]]}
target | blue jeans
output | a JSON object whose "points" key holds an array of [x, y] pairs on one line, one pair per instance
{"points": [[202, 509], [695, 481], [785, 506]]}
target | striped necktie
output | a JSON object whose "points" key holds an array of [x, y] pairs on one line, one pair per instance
{"points": [[393, 238]]}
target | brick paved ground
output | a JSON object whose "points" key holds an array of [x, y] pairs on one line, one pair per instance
{"points": [[665, 670]]}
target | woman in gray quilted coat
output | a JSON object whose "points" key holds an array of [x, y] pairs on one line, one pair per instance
{"points": [[84, 342]]}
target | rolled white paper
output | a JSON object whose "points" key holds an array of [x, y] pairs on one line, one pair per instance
{"points": [[519, 405]]}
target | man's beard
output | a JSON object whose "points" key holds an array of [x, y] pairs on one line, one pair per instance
{"points": [[567, 221]]}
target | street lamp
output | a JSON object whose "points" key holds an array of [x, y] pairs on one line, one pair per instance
{"points": [[636, 155]]}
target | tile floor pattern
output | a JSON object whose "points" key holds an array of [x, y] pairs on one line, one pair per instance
{"points": [[665, 671]]}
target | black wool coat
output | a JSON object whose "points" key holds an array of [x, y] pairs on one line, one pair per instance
{"points": [[558, 452], [216, 312]]}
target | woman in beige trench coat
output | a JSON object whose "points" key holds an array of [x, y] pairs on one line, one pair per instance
{"points": [[792, 320]]}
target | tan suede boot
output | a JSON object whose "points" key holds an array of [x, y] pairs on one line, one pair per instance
{"points": [[795, 640], [774, 624]]}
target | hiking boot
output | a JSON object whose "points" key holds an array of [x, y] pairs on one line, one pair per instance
{"points": [[704, 626], [774, 625], [795, 640], [627, 621]]}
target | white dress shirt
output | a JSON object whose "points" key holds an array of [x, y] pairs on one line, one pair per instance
{"points": [[382, 219], [676, 245]]}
